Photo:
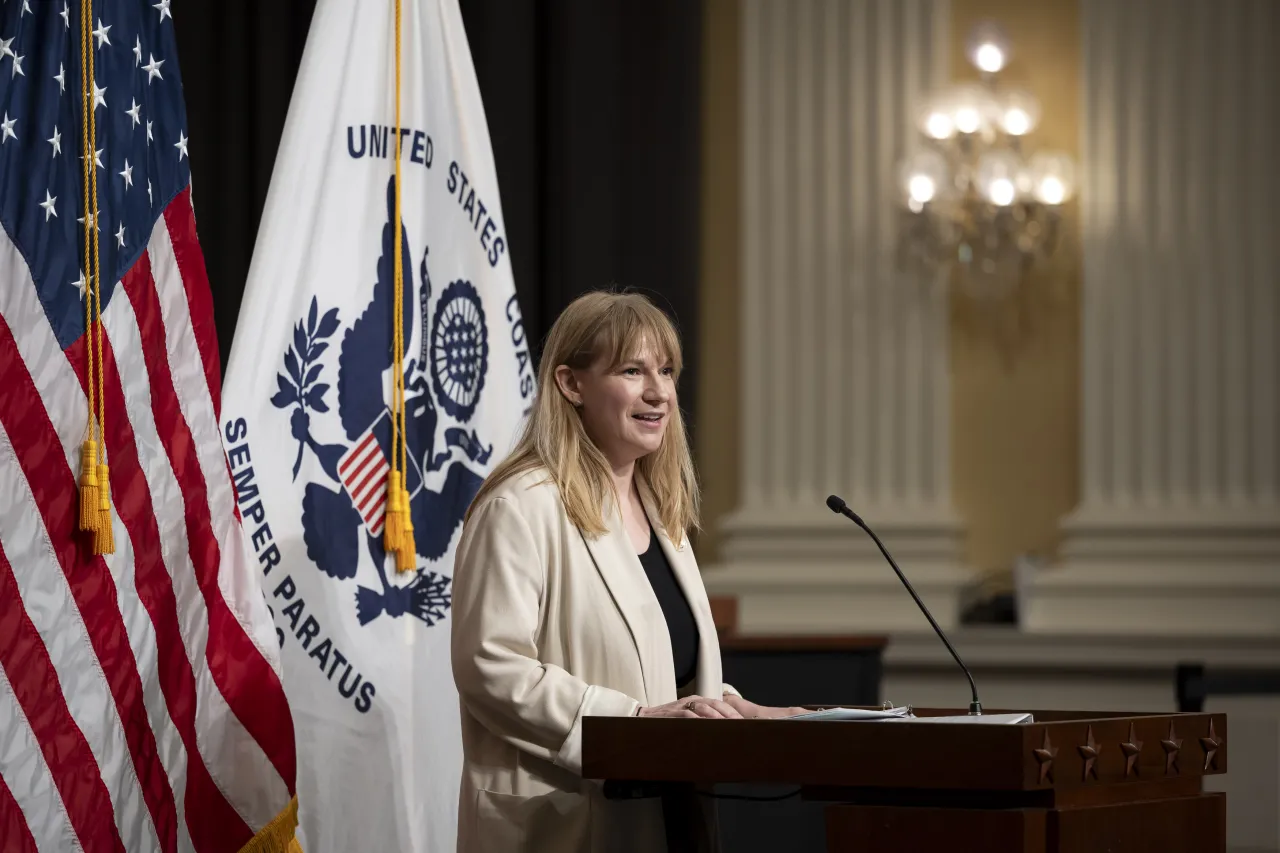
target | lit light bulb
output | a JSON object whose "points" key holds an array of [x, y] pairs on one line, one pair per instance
{"points": [[1053, 177], [968, 120], [921, 188], [1051, 190], [1001, 191], [972, 108], [934, 118], [939, 125], [923, 175], [989, 58], [988, 47], [1017, 122], [1019, 112], [1001, 177]]}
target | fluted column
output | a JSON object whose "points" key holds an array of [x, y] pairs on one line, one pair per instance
{"points": [[844, 360], [1178, 529]]}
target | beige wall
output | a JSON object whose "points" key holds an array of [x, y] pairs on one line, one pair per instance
{"points": [[719, 401], [1014, 372]]}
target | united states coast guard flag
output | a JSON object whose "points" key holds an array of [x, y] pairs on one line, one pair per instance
{"points": [[331, 471], [141, 707]]}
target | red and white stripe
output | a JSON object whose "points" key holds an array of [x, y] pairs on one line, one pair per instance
{"points": [[147, 680], [363, 472]]}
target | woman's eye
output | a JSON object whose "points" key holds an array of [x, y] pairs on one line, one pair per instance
{"points": [[668, 371], [632, 371]]}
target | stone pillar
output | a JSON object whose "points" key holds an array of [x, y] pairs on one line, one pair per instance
{"points": [[1178, 528], [844, 361]]}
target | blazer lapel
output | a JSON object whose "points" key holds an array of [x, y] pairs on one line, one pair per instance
{"points": [[620, 568], [685, 566]]}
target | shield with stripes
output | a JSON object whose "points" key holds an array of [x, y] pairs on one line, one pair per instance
{"points": [[363, 473]]}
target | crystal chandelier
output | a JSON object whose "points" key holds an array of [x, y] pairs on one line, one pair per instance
{"points": [[976, 200]]}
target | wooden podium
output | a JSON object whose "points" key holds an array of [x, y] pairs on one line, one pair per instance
{"points": [[1070, 782]]}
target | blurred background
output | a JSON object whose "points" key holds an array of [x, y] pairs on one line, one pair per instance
{"points": [[1001, 274]]}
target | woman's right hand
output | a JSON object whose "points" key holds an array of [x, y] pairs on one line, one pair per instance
{"points": [[693, 706]]}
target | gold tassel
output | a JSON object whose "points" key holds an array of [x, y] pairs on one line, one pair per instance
{"points": [[279, 836], [407, 553], [393, 524], [103, 539], [89, 486]]}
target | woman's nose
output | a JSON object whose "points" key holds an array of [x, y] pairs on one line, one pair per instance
{"points": [[656, 390]]}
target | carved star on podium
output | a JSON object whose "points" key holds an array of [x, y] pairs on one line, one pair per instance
{"points": [[1172, 744], [1089, 752], [1131, 748], [1045, 755], [1210, 745]]}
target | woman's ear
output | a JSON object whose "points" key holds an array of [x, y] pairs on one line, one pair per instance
{"points": [[567, 382]]}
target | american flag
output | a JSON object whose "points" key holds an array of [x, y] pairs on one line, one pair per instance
{"points": [[140, 700]]}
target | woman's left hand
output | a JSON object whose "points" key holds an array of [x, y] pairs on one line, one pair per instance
{"points": [[750, 710]]}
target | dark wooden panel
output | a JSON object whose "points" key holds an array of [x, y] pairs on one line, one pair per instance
{"points": [[1103, 795], [1179, 825], [906, 786], [881, 829], [1185, 825], [1133, 792], [911, 755]]}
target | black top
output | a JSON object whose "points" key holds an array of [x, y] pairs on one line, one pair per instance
{"points": [[675, 607]]}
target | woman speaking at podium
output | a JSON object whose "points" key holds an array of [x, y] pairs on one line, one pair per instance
{"points": [[576, 592]]}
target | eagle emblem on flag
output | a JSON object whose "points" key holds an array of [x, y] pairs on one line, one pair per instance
{"points": [[343, 512]]}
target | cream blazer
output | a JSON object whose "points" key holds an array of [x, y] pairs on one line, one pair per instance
{"points": [[550, 626]]}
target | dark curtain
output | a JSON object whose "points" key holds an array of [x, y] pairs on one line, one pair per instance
{"points": [[593, 111], [238, 61]]}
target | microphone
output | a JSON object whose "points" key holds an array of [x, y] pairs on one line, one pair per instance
{"points": [[837, 505]]}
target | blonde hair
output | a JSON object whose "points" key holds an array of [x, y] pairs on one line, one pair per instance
{"points": [[612, 326]]}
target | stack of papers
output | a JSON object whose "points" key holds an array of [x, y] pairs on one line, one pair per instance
{"points": [[979, 719], [856, 714], [904, 714]]}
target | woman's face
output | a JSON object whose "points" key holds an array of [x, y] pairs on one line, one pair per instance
{"points": [[625, 408]]}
